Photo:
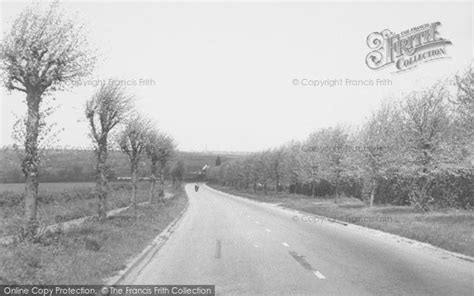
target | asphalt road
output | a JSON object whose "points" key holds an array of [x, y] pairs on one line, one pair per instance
{"points": [[249, 248]]}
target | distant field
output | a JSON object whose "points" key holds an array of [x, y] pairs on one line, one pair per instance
{"points": [[45, 188], [79, 165]]}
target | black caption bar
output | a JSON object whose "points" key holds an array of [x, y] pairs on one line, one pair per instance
{"points": [[100, 290]]}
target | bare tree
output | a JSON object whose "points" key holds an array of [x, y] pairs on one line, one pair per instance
{"points": [[108, 107], [160, 149], [42, 52], [132, 141]]}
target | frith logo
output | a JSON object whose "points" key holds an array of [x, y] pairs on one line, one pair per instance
{"points": [[407, 49]]}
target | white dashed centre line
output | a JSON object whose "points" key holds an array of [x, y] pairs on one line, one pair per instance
{"points": [[256, 246], [256, 222], [285, 244], [319, 275], [267, 230]]}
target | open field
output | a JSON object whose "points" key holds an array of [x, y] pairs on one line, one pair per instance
{"points": [[45, 188], [79, 165], [90, 252], [451, 229], [59, 202]]}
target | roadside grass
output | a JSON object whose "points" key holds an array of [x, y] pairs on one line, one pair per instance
{"points": [[91, 252], [60, 202], [449, 229]]}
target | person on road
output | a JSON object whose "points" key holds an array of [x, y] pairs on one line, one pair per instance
{"points": [[196, 187]]}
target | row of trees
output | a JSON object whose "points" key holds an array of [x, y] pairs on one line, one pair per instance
{"points": [[415, 150], [110, 107], [46, 51]]}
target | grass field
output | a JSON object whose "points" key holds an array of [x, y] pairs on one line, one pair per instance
{"points": [[90, 252], [48, 188], [59, 202], [78, 165], [452, 230]]}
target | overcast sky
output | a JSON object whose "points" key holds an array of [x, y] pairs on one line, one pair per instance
{"points": [[219, 76]]}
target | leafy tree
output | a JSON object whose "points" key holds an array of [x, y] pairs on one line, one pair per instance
{"points": [[293, 163], [43, 51], [463, 125], [246, 171], [277, 166], [311, 162], [218, 161], [379, 147], [262, 168], [108, 107], [151, 150], [160, 149], [424, 129], [132, 141], [464, 99], [332, 150], [177, 171]]}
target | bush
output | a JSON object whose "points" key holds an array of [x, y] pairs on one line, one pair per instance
{"points": [[454, 189], [349, 187], [394, 191], [447, 189]]}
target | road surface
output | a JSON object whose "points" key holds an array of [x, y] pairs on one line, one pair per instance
{"points": [[250, 248]]}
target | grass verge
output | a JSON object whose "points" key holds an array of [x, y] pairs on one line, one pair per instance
{"points": [[90, 252], [450, 229], [60, 202]]}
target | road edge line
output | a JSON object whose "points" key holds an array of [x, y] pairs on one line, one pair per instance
{"points": [[149, 251]]}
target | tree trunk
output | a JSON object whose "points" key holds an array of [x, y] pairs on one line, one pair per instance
{"points": [[30, 163], [133, 170], [152, 183], [313, 189], [152, 190], [372, 193], [265, 189], [277, 183], [101, 181], [162, 185], [254, 187]]}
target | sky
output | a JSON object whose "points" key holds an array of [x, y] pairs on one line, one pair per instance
{"points": [[228, 76]]}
